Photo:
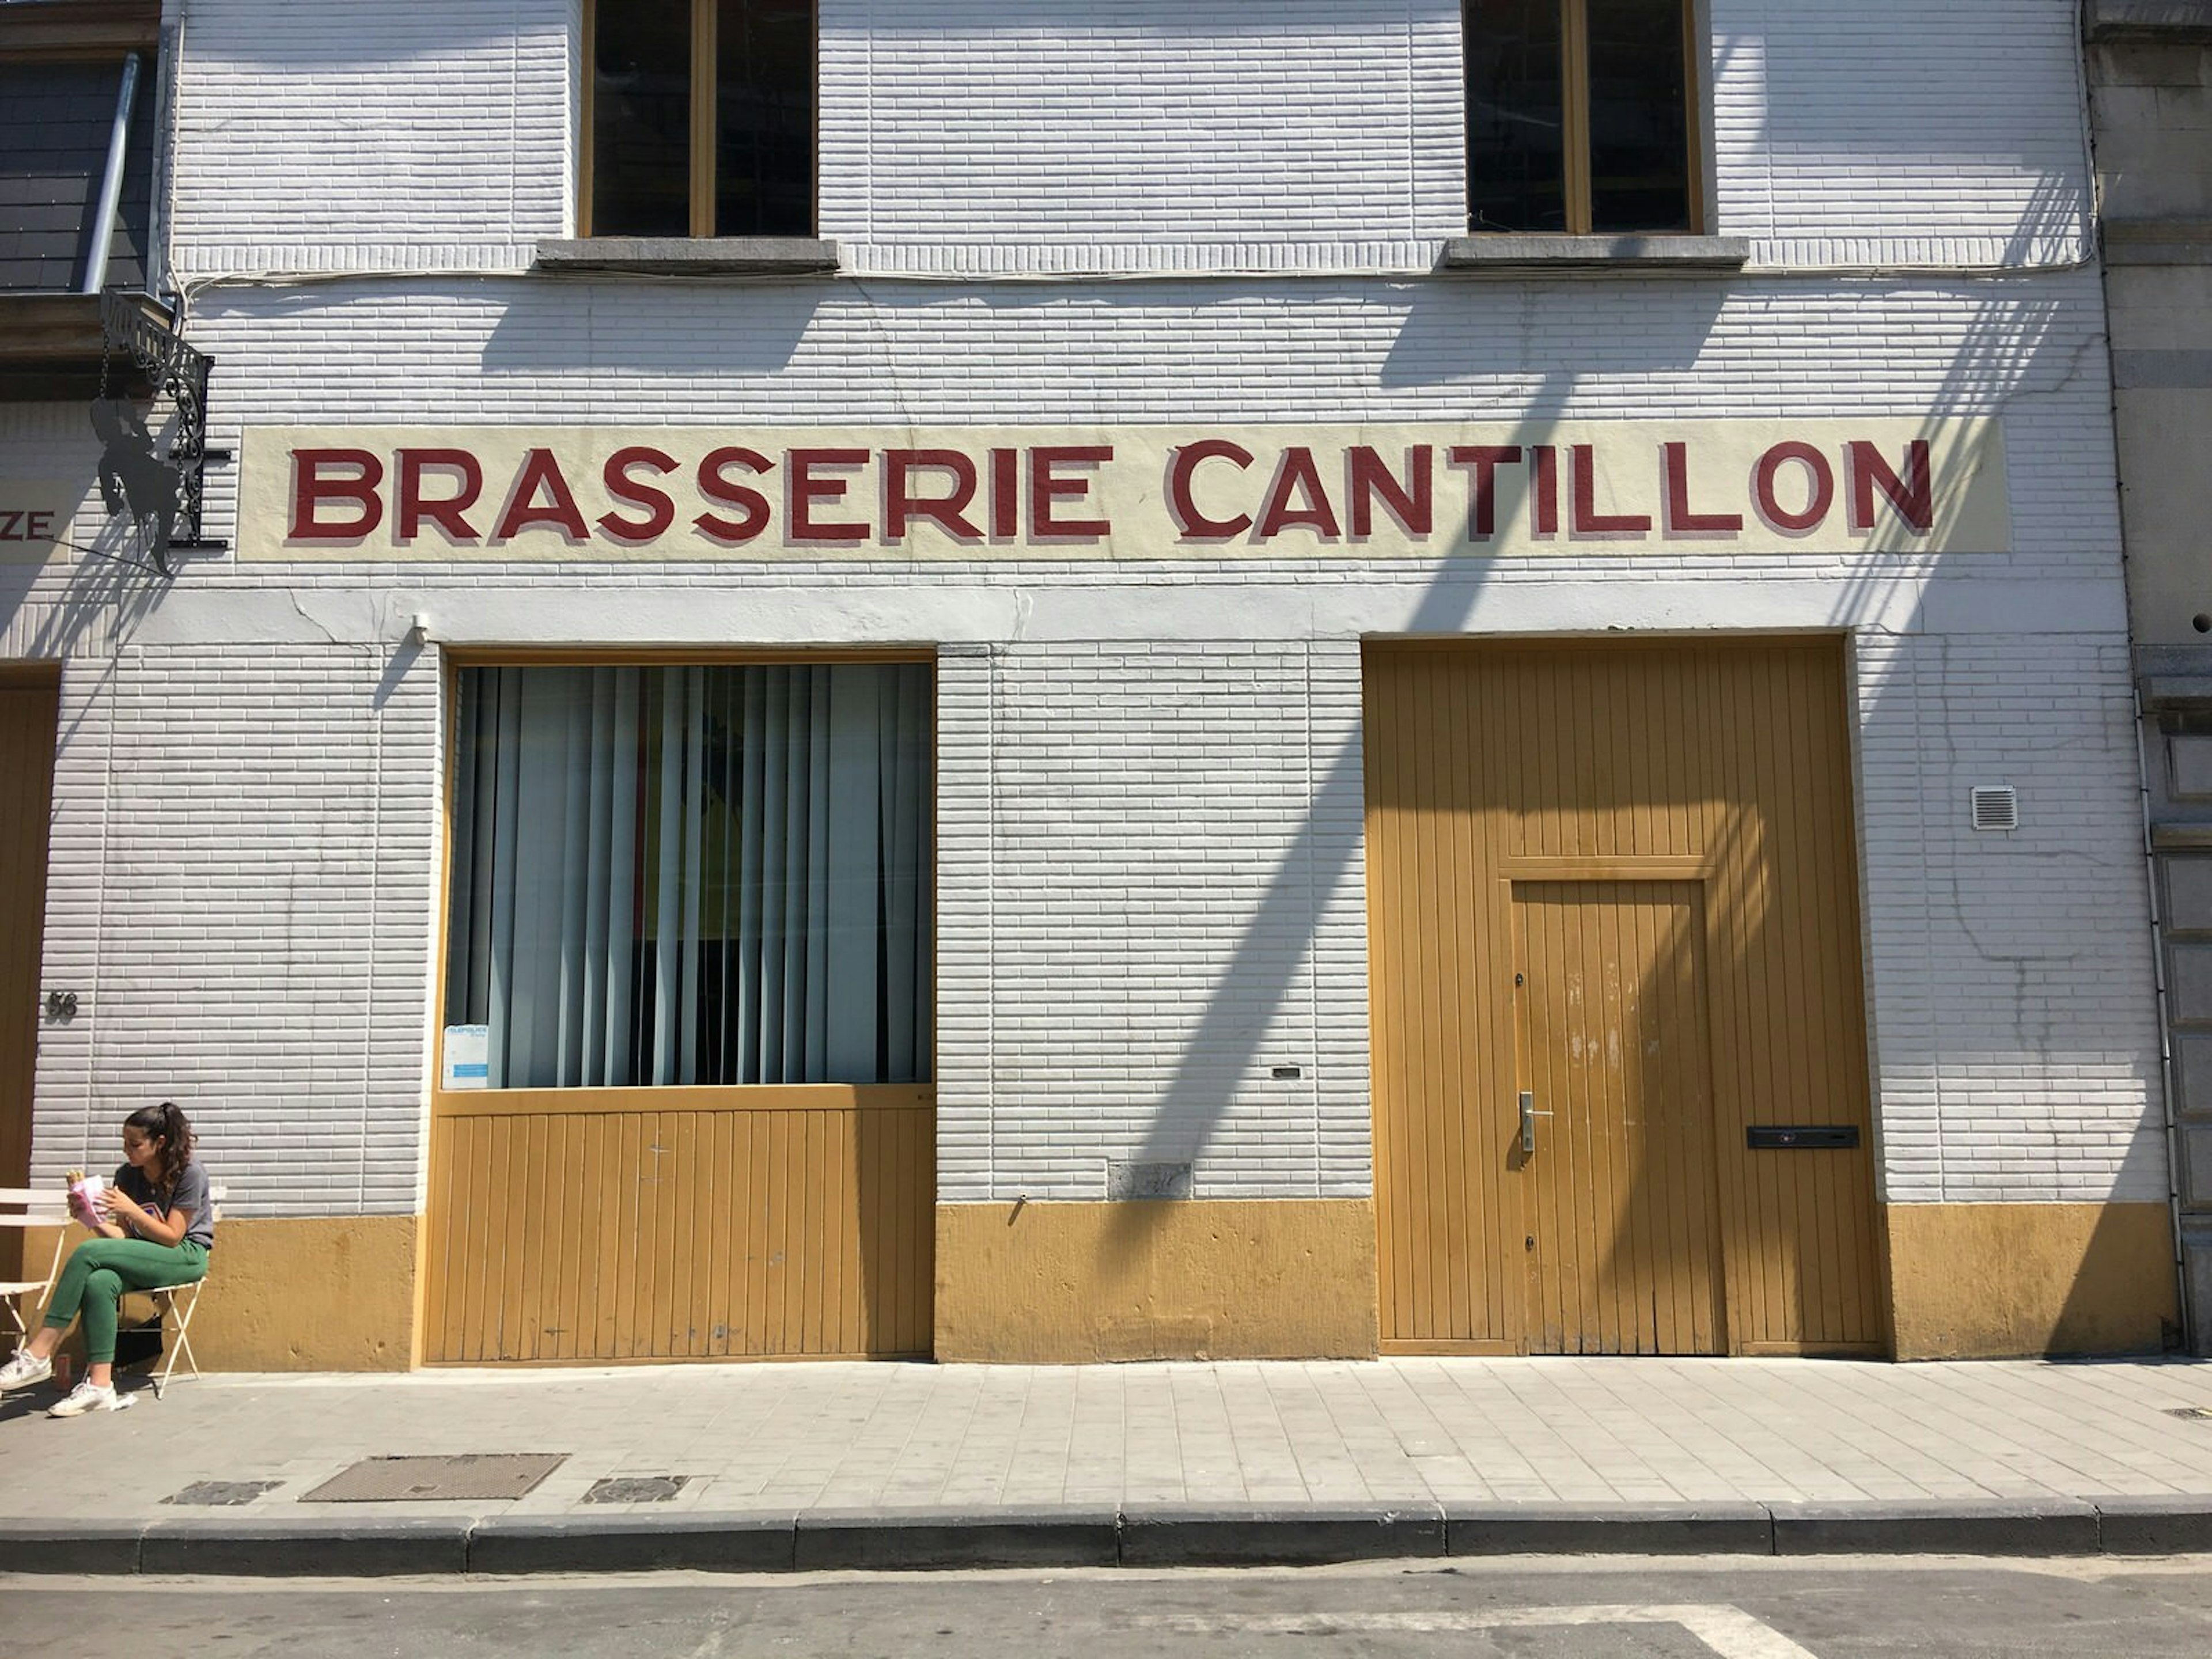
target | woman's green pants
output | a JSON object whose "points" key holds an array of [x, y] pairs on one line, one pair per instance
{"points": [[100, 1270]]}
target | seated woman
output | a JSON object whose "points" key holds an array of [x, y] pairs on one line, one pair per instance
{"points": [[155, 1227]]}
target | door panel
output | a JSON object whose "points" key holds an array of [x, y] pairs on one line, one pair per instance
{"points": [[30, 704], [1617, 1180], [28, 711], [594, 1225], [1723, 764]]}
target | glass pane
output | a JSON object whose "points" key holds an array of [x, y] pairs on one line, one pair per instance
{"points": [[1639, 117], [55, 123], [641, 119], [688, 875], [1515, 139], [764, 119]]}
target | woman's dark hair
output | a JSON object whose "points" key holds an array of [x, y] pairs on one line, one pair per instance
{"points": [[168, 1128]]}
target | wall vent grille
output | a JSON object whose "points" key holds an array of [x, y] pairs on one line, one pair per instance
{"points": [[1996, 806]]}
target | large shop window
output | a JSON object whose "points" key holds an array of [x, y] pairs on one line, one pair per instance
{"points": [[693, 875], [1579, 116], [701, 117]]}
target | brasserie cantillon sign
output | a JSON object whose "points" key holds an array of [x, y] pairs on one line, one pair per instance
{"points": [[1276, 491]]}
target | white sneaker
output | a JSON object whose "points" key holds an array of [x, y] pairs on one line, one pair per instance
{"points": [[23, 1370], [86, 1397]]}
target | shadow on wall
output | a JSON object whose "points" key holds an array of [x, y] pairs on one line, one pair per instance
{"points": [[683, 331], [2005, 354]]}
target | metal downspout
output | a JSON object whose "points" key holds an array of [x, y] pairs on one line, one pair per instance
{"points": [[111, 183]]}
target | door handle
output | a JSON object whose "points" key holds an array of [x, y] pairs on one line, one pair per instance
{"points": [[1529, 1116]]}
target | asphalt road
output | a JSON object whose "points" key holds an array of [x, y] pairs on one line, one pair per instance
{"points": [[1528, 1609]]}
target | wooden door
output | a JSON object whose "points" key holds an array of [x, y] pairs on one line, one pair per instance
{"points": [[1506, 775], [1616, 1155], [30, 703]]}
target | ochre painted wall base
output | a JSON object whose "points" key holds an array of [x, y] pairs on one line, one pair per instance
{"points": [[1072, 1283], [323, 1294], [1995, 1281]]}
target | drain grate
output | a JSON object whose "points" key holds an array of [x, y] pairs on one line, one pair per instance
{"points": [[218, 1493], [2193, 1413], [637, 1489], [470, 1475]]}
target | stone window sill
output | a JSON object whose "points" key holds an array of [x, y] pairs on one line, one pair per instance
{"points": [[1519, 254], [690, 256]]}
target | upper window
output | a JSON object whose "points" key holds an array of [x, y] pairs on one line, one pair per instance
{"points": [[700, 118], [1578, 116], [78, 90]]}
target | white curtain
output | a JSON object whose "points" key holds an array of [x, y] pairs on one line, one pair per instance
{"points": [[693, 875]]}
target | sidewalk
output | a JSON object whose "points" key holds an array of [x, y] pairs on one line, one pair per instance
{"points": [[837, 1465]]}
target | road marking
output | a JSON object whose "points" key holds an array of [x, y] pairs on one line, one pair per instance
{"points": [[1729, 1631]]}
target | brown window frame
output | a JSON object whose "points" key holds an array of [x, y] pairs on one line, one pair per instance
{"points": [[705, 91], [1574, 75]]}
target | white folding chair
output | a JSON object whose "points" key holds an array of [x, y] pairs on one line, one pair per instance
{"points": [[25, 1207], [176, 1306]]}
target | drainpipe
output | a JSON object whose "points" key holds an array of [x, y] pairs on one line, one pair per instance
{"points": [[111, 184], [2191, 1337]]}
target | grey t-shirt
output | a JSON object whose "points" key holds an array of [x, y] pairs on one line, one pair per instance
{"points": [[189, 1195]]}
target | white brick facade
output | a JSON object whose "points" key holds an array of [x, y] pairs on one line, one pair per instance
{"points": [[1149, 889]]}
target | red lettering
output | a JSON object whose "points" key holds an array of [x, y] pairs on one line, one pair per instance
{"points": [[311, 489], [1296, 471], [1913, 495], [803, 491], [1006, 494], [1047, 489], [1486, 460], [1588, 522], [715, 486], [541, 471], [902, 505], [410, 507], [1194, 525], [1544, 489], [1680, 521], [660, 508], [1821, 496], [1411, 503]]}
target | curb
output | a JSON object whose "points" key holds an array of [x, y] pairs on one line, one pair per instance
{"points": [[1145, 1536]]}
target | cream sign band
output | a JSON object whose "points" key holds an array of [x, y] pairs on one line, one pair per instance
{"points": [[479, 494]]}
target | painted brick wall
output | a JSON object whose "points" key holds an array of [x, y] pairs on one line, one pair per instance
{"points": [[2013, 1004], [244, 872], [239, 891], [1149, 135], [1151, 893]]}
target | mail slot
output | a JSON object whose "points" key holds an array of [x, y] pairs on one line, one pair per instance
{"points": [[1801, 1137]]}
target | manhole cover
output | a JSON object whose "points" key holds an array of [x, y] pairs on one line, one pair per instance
{"points": [[478, 1476], [2195, 1413], [637, 1489], [214, 1493]]}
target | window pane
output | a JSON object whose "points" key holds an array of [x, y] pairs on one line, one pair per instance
{"points": [[1515, 147], [1639, 130], [641, 119], [764, 119], [693, 875], [55, 123]]}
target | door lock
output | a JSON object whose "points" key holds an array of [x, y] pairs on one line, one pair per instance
{"points": [[1529, 1116]]}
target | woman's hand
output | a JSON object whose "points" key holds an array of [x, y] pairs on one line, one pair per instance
{"points": [[121, 1206]]}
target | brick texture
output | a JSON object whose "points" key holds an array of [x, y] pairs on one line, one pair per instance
{"points": [[1150, 882]]}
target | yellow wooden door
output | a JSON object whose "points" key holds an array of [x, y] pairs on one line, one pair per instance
{"points": [[1721, 765], [1616, 1153]]}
